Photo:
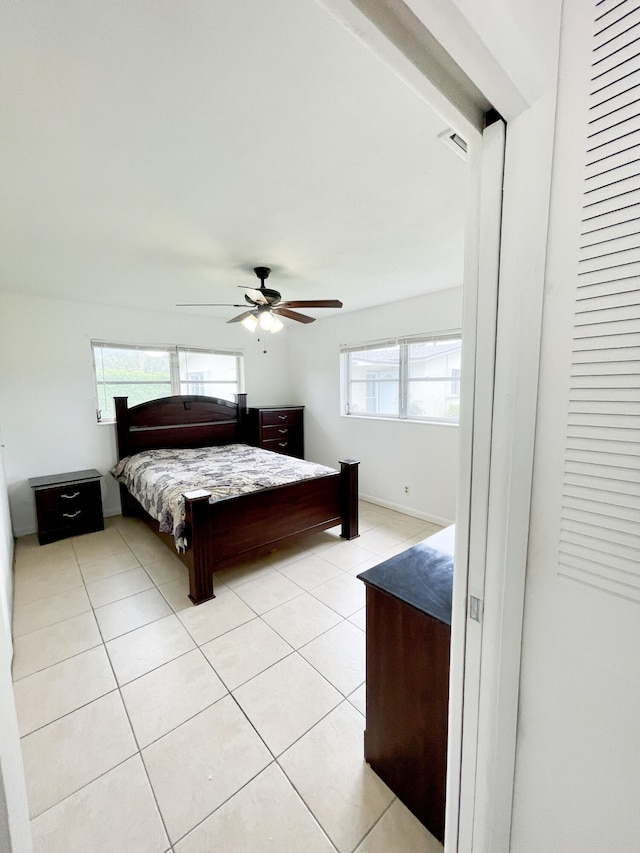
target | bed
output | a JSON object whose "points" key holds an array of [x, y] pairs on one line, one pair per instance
{"points": [[216, 531]]}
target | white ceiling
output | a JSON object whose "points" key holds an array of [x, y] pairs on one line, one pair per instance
{"points": [[155, 152]]}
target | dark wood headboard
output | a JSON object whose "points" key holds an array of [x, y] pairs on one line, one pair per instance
{"points": [[179, 421]]}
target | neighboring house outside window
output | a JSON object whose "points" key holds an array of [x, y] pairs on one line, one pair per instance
{"points": [[196, 382], [415, 378], [144, 373]]}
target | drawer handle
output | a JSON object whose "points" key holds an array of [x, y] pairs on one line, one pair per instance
{"points": [[283, 417], [282, 443], [70, 497], [283, 431], [72, 514]]}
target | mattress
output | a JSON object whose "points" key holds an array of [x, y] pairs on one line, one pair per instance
{"points": [[159, 478]]}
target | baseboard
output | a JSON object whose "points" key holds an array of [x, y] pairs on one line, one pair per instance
{"points": [[414, 513]]}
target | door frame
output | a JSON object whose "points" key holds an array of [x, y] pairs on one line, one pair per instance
{"points": [[486, 663], [479, 332]]}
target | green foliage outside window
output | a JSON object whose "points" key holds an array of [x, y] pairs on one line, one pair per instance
{"points": [[143, 374]]}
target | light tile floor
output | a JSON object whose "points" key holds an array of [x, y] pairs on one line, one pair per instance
{"points": [[149, 724]]}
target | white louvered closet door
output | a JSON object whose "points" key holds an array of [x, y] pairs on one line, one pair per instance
{"points": [[600, 530]]}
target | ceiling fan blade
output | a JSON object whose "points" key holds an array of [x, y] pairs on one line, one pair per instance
{"points": [[293, 315], [311, 303], [242, 316], [208, 305], [257, 295]]}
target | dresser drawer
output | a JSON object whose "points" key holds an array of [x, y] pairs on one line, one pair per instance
{"points": [[291, 446], [281, 432], [279, 417]]}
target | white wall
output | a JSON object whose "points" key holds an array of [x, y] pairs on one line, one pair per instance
{"points": [[47, 394], [392, 454], [6, 550], [47, 391], [15, 834]]}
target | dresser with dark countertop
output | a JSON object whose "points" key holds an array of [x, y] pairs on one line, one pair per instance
{"points": [[408, 640]]}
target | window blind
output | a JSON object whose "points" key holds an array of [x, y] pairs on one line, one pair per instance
{"points": [[393, 342]]}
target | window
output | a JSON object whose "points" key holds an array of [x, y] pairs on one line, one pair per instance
{"points": [[215, 374], [415, 378], [144, 373]]}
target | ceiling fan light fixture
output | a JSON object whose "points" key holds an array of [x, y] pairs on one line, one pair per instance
{"points": [[250, 323], [277, 325], [266, 320]]}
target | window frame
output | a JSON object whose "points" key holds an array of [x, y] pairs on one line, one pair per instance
{"points": [[175, 379], [403, 381]]}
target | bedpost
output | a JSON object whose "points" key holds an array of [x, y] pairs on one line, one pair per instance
{"points": [[200, 573], [128, 504], [122, 426], [242, 418], [349, 498]]}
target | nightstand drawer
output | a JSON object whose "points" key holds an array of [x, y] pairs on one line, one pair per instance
{"points": [[68, 508], [69, 504]]}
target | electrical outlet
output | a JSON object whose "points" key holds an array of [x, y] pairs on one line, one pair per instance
{"points": [[407, 490]]}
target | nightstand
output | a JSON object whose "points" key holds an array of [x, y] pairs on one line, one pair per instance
{"points": [[279, 428], [68, 504]]}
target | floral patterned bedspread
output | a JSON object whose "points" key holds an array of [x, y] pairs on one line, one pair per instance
{"points": [[158, 478]]}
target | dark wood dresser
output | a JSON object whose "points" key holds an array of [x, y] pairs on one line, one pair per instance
{"points": [[279, 428], [68, 504], [408, 639]]}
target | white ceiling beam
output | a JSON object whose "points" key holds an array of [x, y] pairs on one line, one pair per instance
{"points": [[391, 31]]}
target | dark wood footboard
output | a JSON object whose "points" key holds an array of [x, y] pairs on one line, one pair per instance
{"points": [[229, 531]]}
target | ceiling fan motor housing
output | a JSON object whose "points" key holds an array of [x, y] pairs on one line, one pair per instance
{"points": [[262, 273]]}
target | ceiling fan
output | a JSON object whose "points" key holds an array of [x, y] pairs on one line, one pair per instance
{"points": [[268, 306]]}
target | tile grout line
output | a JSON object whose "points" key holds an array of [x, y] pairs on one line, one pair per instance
{"points": [[373, 825], [270, 751], [118, 689], [229, 693], [275, 759], [126, 712]]}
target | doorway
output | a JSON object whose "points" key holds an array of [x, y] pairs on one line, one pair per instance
{"points": [[497, 450]]}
